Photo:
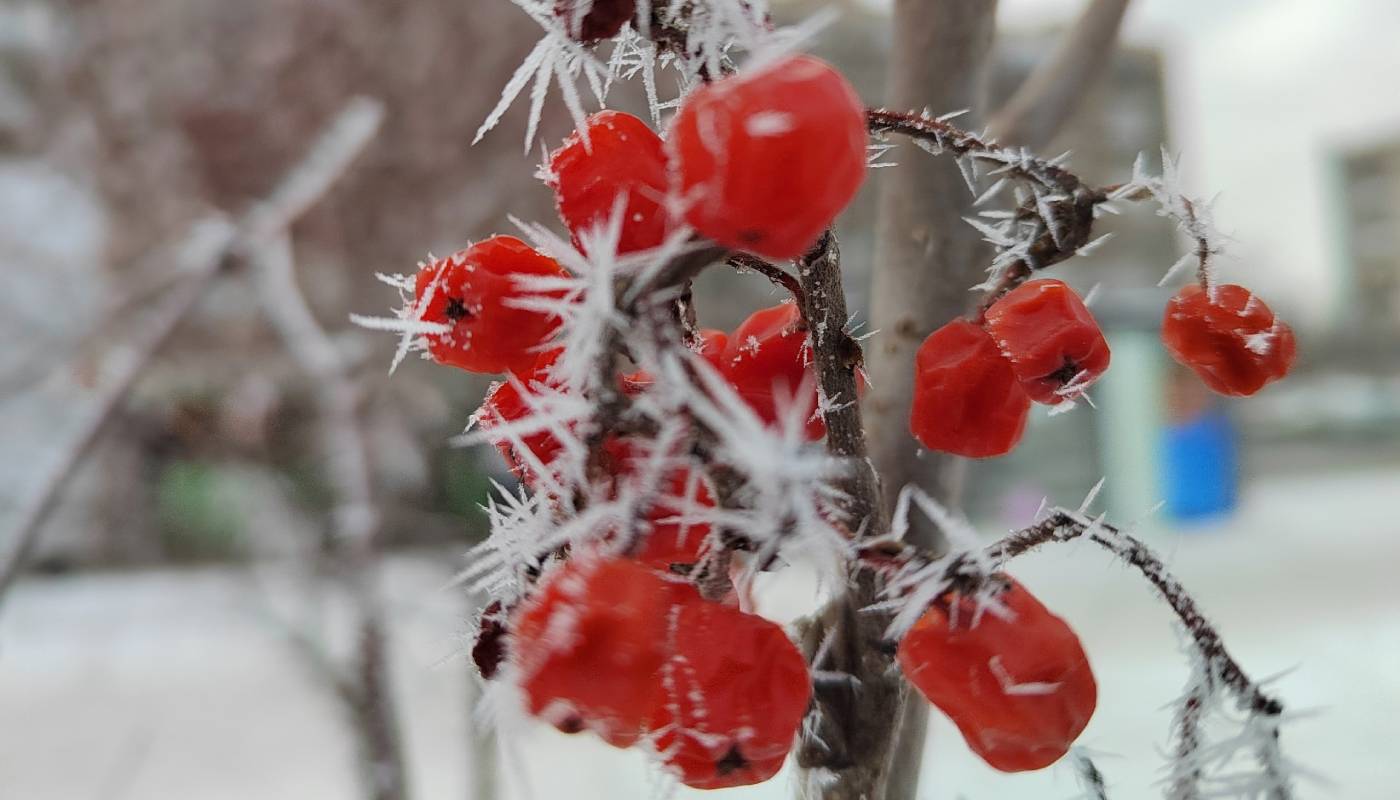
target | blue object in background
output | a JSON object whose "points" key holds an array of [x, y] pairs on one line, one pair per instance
{"points": [[1200, 466]]}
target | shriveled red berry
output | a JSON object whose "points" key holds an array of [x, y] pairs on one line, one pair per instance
{"points": [[1020, 689], [967, 400], [473, 292], [767, 357], [622, 158], [1054, 343], [767, 159], [735, 689], [489, 649], [1229, 337], [589, 644], [603, 19]]}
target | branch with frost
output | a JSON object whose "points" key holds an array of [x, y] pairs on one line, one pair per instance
{"points": [[914, 581], [1193, 217], [1053, 214], [1054, 211], [209, 249]]}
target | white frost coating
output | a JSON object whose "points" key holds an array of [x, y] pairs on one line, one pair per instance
{"points": [[1011, 687], [769, 123]]}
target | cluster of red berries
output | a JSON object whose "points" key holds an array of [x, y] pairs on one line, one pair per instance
{"points": [[761, 161], [1013, 678], [614, 647], [974, 384]]}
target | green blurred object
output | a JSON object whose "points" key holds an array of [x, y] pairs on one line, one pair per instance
{"points": [[198, 513]]}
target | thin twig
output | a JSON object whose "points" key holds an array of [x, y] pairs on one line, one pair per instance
{"points": [[774, 273]]}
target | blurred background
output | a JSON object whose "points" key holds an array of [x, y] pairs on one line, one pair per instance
{"points": [[164, 642]]}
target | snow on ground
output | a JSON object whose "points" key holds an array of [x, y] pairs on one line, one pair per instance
{"points": [[176, 685]]}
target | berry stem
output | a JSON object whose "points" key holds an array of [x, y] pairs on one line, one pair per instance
{"points": [[779, 276]]}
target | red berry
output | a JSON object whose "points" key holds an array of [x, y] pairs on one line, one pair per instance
{"points": [[767, 357], [767, 159], [589, 644], [671, 540], [473, 292], [1229, 337], [712, 345], [967, 400], [623, 157], [1053, 342], [506, 404], [604, 19], [1020, 689], [735, 690]]}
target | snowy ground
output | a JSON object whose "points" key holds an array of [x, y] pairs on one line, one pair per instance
{"points": [[177, 685]]}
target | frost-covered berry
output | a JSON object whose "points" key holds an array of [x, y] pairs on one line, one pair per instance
{"points": [[669, 538], [765, 160], [589, 643], [474, 292], [767, 358], [590, 21], [1016, 682], [507, 403], [967, 400], [1229, 337], [622, 158], [734, 691], [1054, 343]]}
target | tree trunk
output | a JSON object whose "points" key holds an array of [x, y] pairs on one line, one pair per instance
{"points": [[926, 258]]}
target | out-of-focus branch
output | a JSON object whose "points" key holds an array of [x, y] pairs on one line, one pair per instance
{"points": [[1054, 90], [347, 454], [211, 247]]}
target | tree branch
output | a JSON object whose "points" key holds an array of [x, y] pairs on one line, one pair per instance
{"points": [[355, 518], [1053, 91], [848, 739]]}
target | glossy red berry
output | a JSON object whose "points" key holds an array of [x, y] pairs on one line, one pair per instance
{"points": [[967, 400], [604, 18], [1020, 689], [589, 644], [1054, 343], [767, 159], [767, 358], [623, 158], [473, 293], [735, 690], [1229, 337]]}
